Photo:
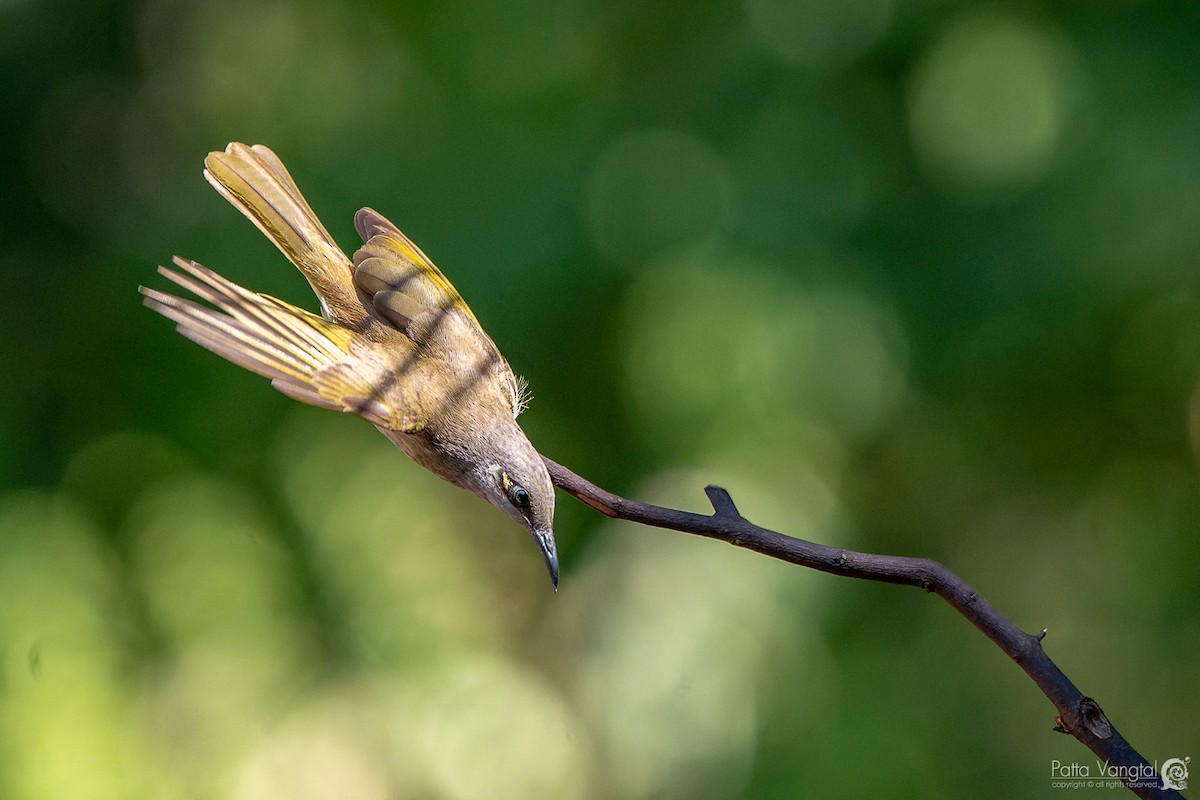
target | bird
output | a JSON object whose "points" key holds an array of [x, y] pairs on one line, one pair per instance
{"points": [[395, 343]]}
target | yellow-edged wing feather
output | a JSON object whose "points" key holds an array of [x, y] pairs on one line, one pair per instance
{"points": [[410, 292], [305, 356], [428, 285]]}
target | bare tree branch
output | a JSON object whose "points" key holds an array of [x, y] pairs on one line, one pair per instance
{"points": [[1078, 715]]}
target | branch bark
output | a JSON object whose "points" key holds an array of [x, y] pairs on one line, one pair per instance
{"points": [[1078, 715]]}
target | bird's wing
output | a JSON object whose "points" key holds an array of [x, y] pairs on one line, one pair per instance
{"points": [[412, 294], [306, 357]]}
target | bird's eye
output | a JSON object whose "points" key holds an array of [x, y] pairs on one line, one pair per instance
{"points": [[518, 496]]}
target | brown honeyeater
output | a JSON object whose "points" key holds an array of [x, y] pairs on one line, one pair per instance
{"points": [[395, 343]]}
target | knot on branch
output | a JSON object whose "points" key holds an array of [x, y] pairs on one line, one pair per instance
{"points": [[1093, 719]]}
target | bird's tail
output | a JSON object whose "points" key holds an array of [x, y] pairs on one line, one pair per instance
{"points": [[255, 181], [306, 357]]}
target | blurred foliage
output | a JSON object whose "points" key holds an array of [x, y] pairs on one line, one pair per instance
{"points": [[911, 276]]}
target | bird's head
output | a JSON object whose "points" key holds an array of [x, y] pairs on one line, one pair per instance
{"points": [[510, 475]]}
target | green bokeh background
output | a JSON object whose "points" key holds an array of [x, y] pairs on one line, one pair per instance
{"points": [[907, 276]]}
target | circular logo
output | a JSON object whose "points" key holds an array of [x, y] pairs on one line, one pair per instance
{"points": [[1175, 773]]}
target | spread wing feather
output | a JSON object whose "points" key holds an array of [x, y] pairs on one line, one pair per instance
{"points": [[305, 357]]}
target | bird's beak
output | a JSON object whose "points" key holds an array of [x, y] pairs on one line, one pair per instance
{"points": [[545, 540]]}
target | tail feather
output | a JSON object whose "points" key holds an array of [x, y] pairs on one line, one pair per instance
{"points": [[304, 356], [255, 181]]}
